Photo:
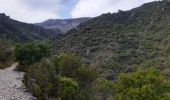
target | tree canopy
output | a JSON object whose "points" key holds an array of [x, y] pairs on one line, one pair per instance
{"points": [[29, 54], [147, 84]]}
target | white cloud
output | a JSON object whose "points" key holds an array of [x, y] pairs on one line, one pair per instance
{"points": [[33, 11], [92, 8], [43, 4], [21, 11]]}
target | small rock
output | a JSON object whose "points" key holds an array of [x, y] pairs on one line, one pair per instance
{"points": [[11, 86]]}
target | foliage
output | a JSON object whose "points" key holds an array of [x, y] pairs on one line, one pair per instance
{"points": [[147, 84], [86, 75], [40, 78], [103, 89], [27, 54], [67, 64], [123, 41], [52, 79], [68, 88], [6, 54]]}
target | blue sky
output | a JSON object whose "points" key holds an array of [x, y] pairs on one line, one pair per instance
{"points": [[33, 11]]}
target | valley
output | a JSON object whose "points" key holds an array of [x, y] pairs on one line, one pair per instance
{"points": [[114, 56]]}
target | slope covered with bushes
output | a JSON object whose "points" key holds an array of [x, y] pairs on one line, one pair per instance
{"points": [[22, 32], [65, 77], [123, 41]]}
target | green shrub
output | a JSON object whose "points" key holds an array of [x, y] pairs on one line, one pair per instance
{"points": [[68, 88], [67, 64], [103, 89], [41, 76], [6, 54], [65, 77], [142, 85], [29, 54], [36, 90], [86, 74]]}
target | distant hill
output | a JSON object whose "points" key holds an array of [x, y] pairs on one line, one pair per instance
{"points": [[18, 31], [62, 25], [123, 41]]}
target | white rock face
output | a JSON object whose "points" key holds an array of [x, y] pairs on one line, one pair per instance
{"points": [[11, 86]]}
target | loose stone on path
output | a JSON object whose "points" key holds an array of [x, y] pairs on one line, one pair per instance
{"points": [[11, 86]]}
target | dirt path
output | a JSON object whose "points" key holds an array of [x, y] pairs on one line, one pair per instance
{"points": [[11, 86]]}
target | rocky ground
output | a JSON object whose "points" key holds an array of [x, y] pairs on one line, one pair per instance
{"points": [[11, 86]]}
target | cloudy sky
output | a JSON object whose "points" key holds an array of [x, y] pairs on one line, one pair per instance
{"points": [[33, 11]]}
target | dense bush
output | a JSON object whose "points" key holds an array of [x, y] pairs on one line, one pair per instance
{"points": [[53, 79], [40, 78], [142, 85], [70, 65], [86, 75], [103, 89], [29, 54], [68, 88], [67, 64], [6, 54]]}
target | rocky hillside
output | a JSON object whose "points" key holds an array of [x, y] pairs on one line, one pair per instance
{"points": [[62, 25], [18, 31], [123, 41]]}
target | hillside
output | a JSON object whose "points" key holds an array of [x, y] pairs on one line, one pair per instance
{"points": [[62, 25], [123, 41], [18, 31]]}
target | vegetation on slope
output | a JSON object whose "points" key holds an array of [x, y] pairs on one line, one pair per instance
{"points": [[123, 41], [22, 32], [65, 77]]}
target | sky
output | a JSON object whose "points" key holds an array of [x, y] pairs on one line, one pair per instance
{"points": [[34, 11]]}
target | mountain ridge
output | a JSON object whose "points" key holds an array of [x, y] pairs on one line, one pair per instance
{"points": [[11, 29], [62, 25]]}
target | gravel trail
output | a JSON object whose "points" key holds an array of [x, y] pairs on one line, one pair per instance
{"points": [[11, 86]]}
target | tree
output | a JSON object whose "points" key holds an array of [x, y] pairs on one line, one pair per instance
{"points": [[67, 64], [86, 74], [103, 89], [63, 77], [68, 88], [147, 84], [29, 54], [40, 78]]}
